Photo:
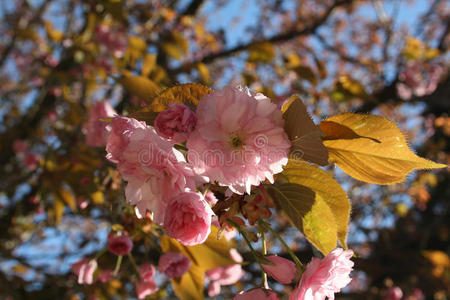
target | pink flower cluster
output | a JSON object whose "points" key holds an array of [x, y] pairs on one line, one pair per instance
{"points": [[419, 79], [113, 39], [236, 138]]}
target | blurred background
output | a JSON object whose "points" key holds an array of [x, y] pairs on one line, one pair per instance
{"points": [[59, 197]]}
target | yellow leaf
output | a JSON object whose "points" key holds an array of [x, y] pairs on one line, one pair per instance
{"points": [[204, 72], [140, 86], [303, 133], [98, 197], [414, 49], [21, 269], [209, 255], [137, 43], [176, 46], [262, 52], [188, 94], [379, 155], [323, 184], [213, 252], [309, 213], [53, 34], [68, 198], [148, 64], [58, 207]]}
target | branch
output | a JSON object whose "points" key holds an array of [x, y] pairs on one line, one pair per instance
{"points": [[283, 37]]}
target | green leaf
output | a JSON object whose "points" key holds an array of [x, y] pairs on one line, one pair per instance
{"points": [[323, 184], [371, 148], [305, 136]]}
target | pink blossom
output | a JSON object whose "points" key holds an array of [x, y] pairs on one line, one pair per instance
{"points": [[114, 39], [20, 146], [417, 294], [283, 269], [146, 272], [120, 244], [394, 293], [211, 198], [155, 171], [257, 294], [173, 264], [105, 276], [324, 277], [118, 139], [95, 129], [239, 140], [225, 275], [175, 123], [188, 218], [418, 79], [31, 160], [144, 289], [85, 269]]}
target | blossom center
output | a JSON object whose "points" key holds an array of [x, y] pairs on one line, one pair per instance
{"points": [[236, 141]]}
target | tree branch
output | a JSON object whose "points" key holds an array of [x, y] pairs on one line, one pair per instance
{"points": [[283, 37]]}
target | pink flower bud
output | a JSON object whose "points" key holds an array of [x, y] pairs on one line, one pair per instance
{"points": [[394, 293], [120, 244], [144, 289], [283, 269], [257, 294], [176, 123], [146, 272], [173, 264], [85, 269]]}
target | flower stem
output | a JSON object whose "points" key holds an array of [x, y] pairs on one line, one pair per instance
{"points": [[100, 253], [293, 256], [133, 263], [244, 235], [118, 263], [264, 283]]}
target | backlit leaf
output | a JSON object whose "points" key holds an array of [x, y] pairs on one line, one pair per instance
{"points": [[209, 255], [323, 184], [148, 64], [309, 212], [305, 136], [371, 148], [140, 86], [53, 34]]}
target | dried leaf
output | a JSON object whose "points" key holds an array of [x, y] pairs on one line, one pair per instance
{"points": [[305, 136]]}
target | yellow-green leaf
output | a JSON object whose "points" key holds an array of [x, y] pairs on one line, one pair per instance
{"points": [[262, 52], [309, 212], [140, 86], [379, 155], [305, 136], [323, 184]]}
